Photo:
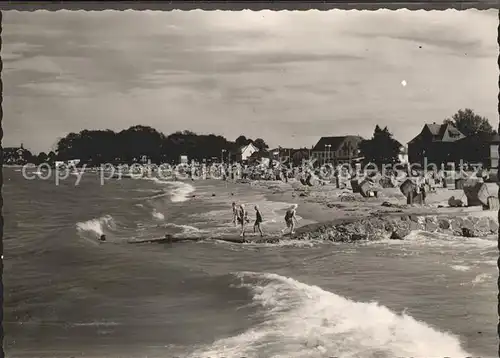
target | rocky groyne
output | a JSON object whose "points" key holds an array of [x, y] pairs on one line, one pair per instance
{"points": [[367, 228], [398, 227]]}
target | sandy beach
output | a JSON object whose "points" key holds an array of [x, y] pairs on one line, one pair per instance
{"points": [[326, 202], [328, 213]]}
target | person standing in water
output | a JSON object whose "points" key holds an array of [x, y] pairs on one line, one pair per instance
{"points": [[291, 219], [242, 219], [258, 221], [235, 213]]}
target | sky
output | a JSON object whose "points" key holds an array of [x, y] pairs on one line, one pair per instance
{"points": [[288, 77]]}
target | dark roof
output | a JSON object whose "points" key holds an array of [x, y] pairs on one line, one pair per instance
{"points": [[483, 137], [434, 128], [445, 132], [284, 151], [334, 142], [14, 149], [260, 154], [449, 133]]}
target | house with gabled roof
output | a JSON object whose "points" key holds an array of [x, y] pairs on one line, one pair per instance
{"points": [[245, 152], [337, 150], [436, 143]]}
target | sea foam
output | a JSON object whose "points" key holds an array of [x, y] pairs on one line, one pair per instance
{"points": [[307, 321], [96, 226], [186, 229], [157, 215], [434, 239], [460, 267], [179, 192]]}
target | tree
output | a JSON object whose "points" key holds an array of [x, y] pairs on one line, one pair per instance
{"points": [[469, 123], [381, 149], [41, 158], [260, 144], [51, 158], [27, 156], [138, 141], [241, 141], [94, 147]]}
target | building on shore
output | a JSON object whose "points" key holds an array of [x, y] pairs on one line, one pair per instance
{"points": [[16, 155], [245, 152], [337, 150], [444, 144], [481, 148], [293, 156], [259, 157], [435, 143]]}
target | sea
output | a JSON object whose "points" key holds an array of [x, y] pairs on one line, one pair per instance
{"points": [[66, 294]]}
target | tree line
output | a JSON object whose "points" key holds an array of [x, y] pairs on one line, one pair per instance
{"points": [[96, 147]]}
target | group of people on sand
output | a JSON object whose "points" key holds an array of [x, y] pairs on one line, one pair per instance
{"points": [[240, 217]]}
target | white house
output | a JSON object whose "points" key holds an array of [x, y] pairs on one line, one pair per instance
{"points": [[246, 151]]}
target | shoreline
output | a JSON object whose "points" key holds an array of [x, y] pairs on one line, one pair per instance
{"points": [[332, 218], [387, 216]]}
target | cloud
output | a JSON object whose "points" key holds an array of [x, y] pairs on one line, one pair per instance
{"points": [[289, 77], [60, 89]]}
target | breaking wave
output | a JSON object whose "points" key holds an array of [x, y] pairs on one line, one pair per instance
{"points": [[460, 267], [92, 230], [179, 192], [300, 320], [439, 240], [185, 229], [482, 277], [97, 226], [157, 215]]}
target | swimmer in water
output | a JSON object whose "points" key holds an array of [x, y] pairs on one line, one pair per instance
{"points": [[258, 221], [291, 219], [242, 219]]}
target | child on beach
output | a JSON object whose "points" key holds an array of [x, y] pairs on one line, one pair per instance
{"points": [[258, 221], [291, 219]]}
